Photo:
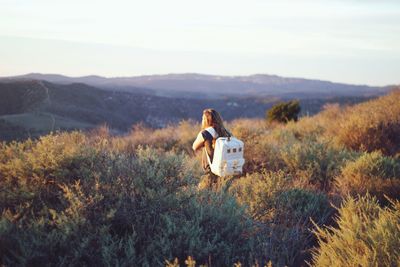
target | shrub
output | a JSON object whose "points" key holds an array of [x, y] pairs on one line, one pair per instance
{"points": [[313, 163], [31, 172], [286, 238], [211, 227], [302, 205], [143, 136], [307, 128], [247, 129], [366, 235], [258, 191], [284, 111], [283, 215], [370, 126], [373, 173], [261, 152], [176, 138]]}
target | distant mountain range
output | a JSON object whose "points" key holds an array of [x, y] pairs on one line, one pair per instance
{"points": [[192, 85]]}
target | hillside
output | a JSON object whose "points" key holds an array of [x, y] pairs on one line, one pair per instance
{"points": [[36, 107], [211, 86], [323, 191]]}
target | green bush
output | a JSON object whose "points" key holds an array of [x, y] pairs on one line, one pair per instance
{"points": [[283, 215], [286, 237], [371, 172], [33, 171], [366, 235], [258, 191], [284, 111], [311, 162], [302, 205]]}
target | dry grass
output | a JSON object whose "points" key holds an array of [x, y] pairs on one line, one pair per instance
{"points": [[369, 126]]}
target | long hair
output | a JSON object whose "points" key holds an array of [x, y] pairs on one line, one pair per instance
{"points": [[211, 118]]}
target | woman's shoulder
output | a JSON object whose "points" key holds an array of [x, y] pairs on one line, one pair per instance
{"points": [[209, 133]]}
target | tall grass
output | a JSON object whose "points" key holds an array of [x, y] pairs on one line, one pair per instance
{"points": [[370, 126]]}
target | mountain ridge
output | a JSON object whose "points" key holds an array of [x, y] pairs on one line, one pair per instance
{"points": [[196, 85], [36, 75]]}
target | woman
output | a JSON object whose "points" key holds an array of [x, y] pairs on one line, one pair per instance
{"points": [[212, 127]]}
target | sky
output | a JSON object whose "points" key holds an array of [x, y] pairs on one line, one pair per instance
{"points": [[350, 41]]}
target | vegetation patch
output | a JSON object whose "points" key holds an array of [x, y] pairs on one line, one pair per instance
{"points": [[98, 199]]}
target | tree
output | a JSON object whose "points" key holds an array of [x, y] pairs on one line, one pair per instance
{"points": [[284, 111]]}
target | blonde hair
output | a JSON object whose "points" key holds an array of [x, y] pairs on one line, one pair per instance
{"points": [[211, 118]]}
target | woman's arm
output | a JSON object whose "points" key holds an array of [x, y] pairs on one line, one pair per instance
{"points": [[198, 143]]}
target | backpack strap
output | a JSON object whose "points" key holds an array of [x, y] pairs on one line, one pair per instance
{"points": [[214, 134]]}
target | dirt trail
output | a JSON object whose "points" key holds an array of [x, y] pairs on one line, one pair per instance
{"points": [[48, 101]]}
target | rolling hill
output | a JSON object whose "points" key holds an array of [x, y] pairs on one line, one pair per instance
{"points": [[29, 108]]}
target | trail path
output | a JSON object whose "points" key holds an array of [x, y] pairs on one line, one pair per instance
{"points": [[48, 101]]}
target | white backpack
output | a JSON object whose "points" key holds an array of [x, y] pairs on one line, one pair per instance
{"points": [[228, 155]]}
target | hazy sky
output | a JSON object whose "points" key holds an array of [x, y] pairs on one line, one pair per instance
{"points": [[353, 41]]}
